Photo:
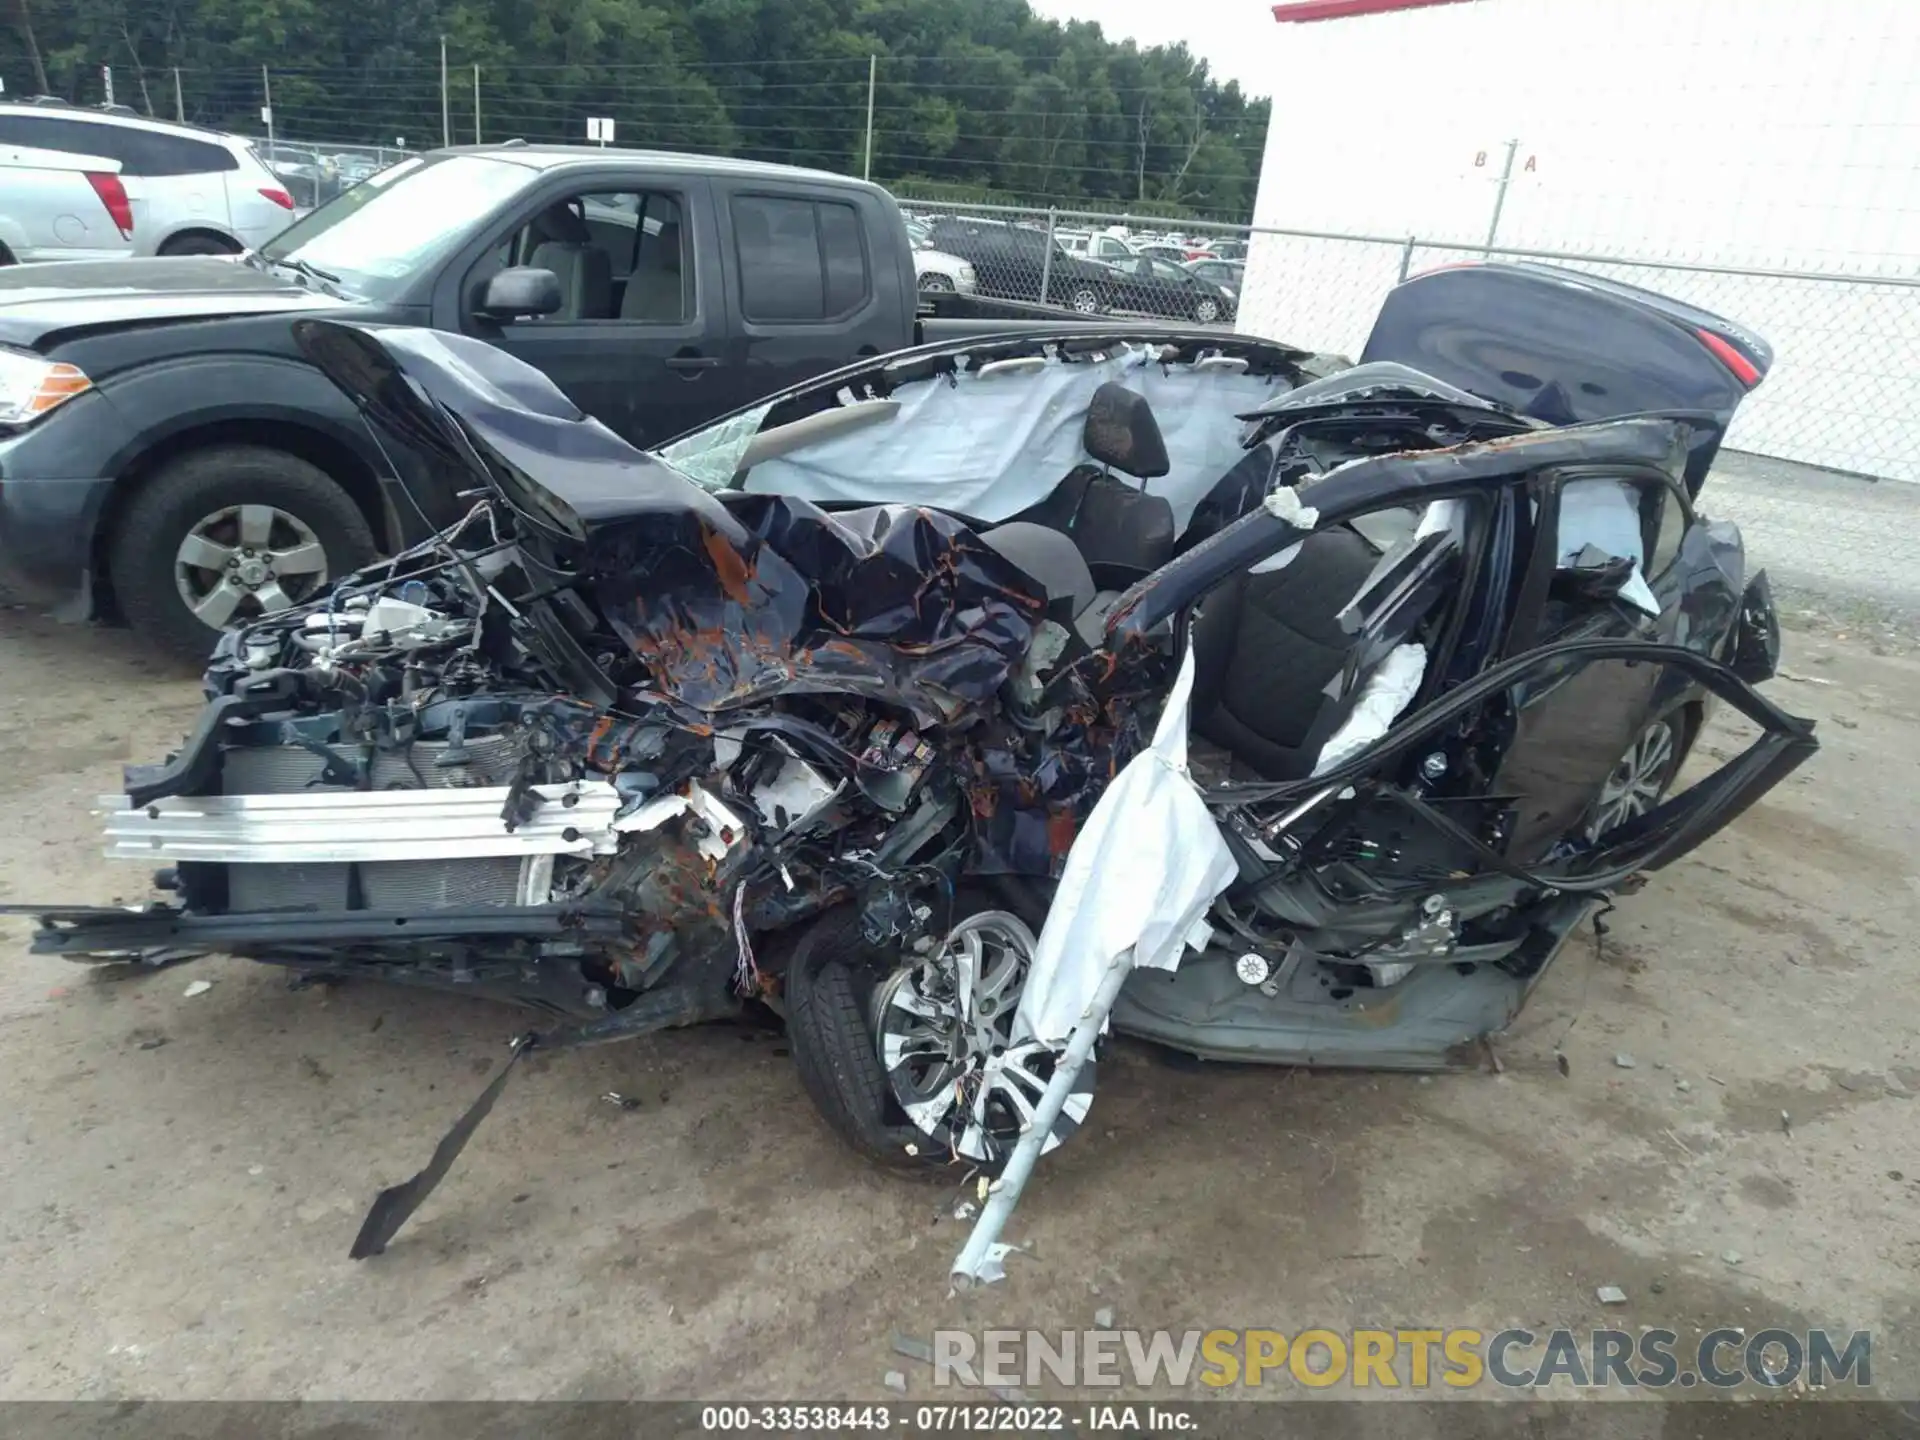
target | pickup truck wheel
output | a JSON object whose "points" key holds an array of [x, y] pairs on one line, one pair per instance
{"points": [[199, 245], [1084, 299], [936, 284], [220, 537]]}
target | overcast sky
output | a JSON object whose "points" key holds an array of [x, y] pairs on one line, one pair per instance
{"points": [[1234, 37]]}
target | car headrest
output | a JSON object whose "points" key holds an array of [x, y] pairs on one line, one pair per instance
{"points": [[668, 243], [560, 224], [1121, 433]]}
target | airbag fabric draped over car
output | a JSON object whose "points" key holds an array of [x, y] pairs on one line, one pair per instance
{"points": [[993, 445], [724, 604]]}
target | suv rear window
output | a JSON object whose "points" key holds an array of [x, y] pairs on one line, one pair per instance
{"points": [[139, 151], [800, 261]]}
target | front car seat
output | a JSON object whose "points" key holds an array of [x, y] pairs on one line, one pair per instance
{"points": [[1123, 531], [585, 270], [1268, 647], [656, 291]]}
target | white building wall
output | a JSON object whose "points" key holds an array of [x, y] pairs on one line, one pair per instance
{"points": [[1776, 134]]}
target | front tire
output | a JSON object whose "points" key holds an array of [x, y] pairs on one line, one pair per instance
{"points": [[905, 1071], [932, 284], [829, 993], [219, 537], [1206, 310]]}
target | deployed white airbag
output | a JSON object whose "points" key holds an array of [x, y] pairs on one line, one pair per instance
{"points": [[1388, 691], [1140, 877], [991, 445]]}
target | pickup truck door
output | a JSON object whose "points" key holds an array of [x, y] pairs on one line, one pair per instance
{"points": [[639, 342], [815, 279]]}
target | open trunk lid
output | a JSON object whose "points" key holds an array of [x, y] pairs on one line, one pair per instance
{"points": [[1565, 348]]}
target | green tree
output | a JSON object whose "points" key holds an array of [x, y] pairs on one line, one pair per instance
{"points": [[979, 97]]}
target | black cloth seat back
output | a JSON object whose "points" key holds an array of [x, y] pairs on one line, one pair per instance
{"points": [[1123, 532], [1266, 648]]}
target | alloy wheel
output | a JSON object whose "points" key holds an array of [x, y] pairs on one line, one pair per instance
{"points": [[947, 1042], [1638, 782], [248, 560], [1207, 311]]}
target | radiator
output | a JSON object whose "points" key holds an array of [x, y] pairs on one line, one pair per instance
{"points": [[409, 885]]}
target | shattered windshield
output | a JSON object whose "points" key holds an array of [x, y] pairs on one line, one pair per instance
{"points": [[711, 457]]}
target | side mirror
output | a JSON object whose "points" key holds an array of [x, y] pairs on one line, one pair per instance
{"points": [[520, 291], [1594, 577]]}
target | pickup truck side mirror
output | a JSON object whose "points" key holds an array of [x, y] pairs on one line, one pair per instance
{"points": [[520, 291]]}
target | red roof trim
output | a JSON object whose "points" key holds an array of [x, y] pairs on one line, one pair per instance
{"points": [[1301, 12]]}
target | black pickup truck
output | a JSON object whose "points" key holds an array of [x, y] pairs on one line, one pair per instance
{"points": [[167, 458]]}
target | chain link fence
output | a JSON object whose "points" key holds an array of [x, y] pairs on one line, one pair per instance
{"points": [[1844, 393], [1093, 263], [316, 171]]}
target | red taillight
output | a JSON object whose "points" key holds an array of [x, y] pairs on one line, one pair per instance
{"points": [[113, 195], [277, 196], [1744, 370]]}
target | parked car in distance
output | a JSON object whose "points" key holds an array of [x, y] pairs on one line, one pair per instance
{"points": [[939, 272], [1110, 248], [1013, 262], [1174, 253], [171, 458], [1149, 285], [199, 192], [55, 206], [1228, 273]]}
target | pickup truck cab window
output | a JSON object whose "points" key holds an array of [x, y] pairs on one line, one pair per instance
{"points": [[800, 260], [619, 255], [378, 237], [638, 338]]}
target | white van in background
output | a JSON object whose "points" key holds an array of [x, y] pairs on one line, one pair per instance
{"points": [[194, 191], [57, 206]]}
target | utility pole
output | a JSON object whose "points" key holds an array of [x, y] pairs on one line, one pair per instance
{"points": [[476, 102], [179, 106], [446, 114], [106, 81], [1500, 194], [873, 71], [266, 109]]}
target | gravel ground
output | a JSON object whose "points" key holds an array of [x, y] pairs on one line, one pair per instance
{"points": [[180, 1177]]}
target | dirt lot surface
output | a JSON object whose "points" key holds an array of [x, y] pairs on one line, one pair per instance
{"points": [[180, 1177]]}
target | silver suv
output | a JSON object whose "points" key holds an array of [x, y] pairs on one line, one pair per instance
{"points": [[193, 191], [55, 206]]}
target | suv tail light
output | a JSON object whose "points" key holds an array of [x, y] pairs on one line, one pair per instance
{"points": [[1744, 370], [113, 195], [277, 196]]}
